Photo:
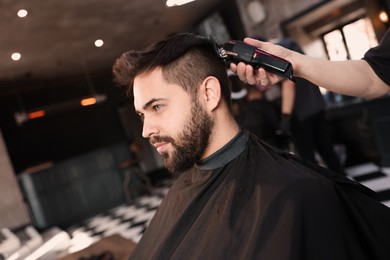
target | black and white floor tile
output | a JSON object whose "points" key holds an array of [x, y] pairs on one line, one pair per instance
{"points": [[374, 177], [129, 221]]}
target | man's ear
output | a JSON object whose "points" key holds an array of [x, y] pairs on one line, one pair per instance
{"points": [[211, 92]]}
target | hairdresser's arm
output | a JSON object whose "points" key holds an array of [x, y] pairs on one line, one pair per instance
{"points": [[353, 78], [288, 97]]}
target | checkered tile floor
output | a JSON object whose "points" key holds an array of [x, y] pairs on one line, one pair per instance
{"points": [[130, 221], [374, 177]]}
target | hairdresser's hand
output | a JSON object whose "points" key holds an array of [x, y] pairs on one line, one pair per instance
{"points": [[247, 74]]}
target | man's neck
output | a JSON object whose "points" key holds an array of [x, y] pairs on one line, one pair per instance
{"points": [[224, 130], [226, 154]]}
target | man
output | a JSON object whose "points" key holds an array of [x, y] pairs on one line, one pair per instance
{"points": [[136, 182], [367, 78], [303, 113], [236, 197]]}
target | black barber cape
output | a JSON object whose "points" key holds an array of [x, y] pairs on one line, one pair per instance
{"points": [[250, 201]]}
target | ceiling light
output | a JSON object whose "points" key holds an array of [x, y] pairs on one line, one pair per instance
{"points": [[383, 16], [36, 114], [16, 56], [99, 43], [88, 101], [22, 13], [96, 98], [171, 3]]}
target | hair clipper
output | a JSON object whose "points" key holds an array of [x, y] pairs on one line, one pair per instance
{"points": [[238, 51]]}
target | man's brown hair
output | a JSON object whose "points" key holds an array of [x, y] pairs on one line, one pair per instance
{"points": [[186, 59]]}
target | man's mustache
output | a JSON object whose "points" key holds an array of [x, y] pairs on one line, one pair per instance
{"points": [[160, 139]]}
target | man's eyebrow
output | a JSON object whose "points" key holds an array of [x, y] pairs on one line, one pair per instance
{"points": [[150, 102]]}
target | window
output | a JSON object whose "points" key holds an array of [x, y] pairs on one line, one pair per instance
{"points": [[350, 41]]}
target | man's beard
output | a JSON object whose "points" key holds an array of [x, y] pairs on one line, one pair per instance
{"points": [[190, 144]]}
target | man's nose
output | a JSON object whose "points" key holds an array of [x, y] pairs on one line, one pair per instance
{"points": [[149, 128]]}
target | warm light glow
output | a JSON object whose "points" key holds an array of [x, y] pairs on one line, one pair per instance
{"points": [[99, 43], [383, 16], [88, 101], [171, 3], [36, 114], [16, 56], [22, 13]]}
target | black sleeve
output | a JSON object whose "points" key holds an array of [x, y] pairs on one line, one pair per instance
{"points": [[379, 58]]}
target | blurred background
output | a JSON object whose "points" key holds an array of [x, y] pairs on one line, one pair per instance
{"points": [[65, 127]]}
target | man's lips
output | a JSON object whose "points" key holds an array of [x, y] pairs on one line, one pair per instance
{"points": [[160, 146]]}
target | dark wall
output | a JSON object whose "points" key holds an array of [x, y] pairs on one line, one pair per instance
{"points": [[70, 130], [232, 19], [386, 4]]}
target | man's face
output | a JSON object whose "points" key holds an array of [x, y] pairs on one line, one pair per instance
{"points": [[175, 124]]}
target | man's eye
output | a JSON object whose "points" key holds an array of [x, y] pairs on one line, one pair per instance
{"points": [[158, 107]]}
